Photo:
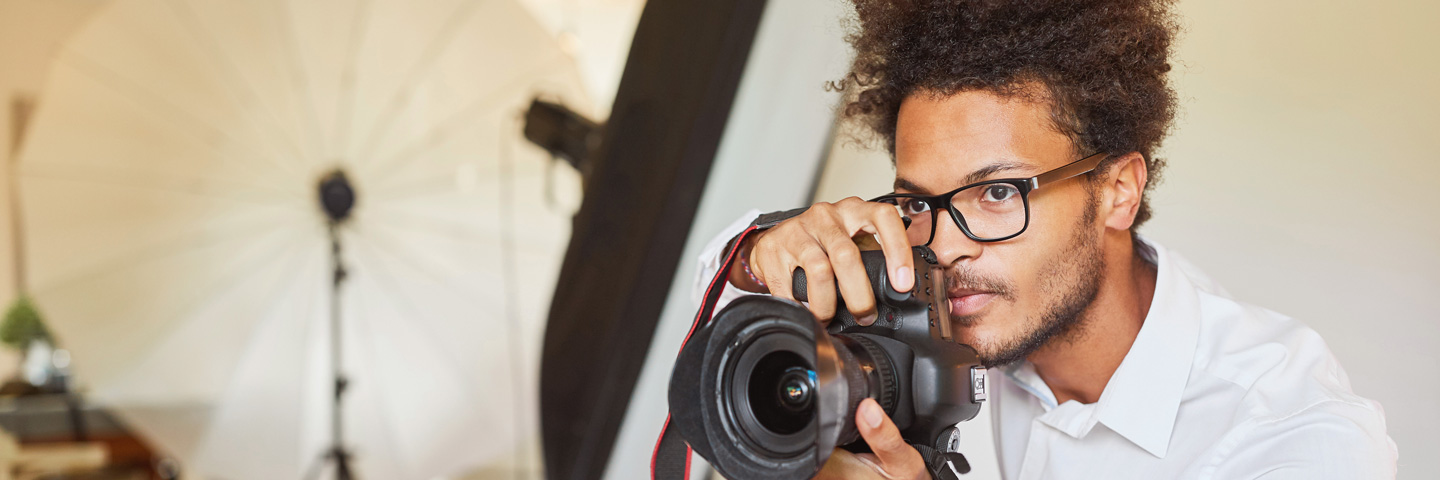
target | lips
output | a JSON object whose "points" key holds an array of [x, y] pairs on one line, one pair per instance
{"points": [[966, 302]]}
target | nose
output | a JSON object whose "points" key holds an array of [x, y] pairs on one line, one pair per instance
{"points": [[951, 245]]}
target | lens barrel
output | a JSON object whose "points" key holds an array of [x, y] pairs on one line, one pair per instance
{"points": [[784, 391], [763, 390]]}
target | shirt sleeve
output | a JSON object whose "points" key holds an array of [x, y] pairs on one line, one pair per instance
{"points": [[710, 260], [1333, 440]]}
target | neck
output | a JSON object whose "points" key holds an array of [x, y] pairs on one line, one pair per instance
{"points": [[1077, 366]]}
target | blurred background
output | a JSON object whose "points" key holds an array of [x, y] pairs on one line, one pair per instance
{"points": [[183, 177]]}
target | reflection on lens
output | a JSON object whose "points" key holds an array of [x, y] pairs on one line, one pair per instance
{"points": [[781, 392], [795, 387]]}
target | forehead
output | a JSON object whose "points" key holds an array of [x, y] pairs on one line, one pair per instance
{"points": [[942, 140]]}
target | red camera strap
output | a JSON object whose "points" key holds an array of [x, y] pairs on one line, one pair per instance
{"points": [[671, 459]]}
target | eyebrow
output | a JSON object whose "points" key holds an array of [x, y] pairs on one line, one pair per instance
{"points": [[975, 176]]}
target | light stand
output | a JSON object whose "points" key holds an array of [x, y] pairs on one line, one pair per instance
{"points": [[336, 199]]}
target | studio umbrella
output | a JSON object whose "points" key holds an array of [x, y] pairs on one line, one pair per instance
{"points": [[175, 238]]}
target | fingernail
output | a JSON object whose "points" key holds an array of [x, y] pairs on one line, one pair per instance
{"points": [[871, 411], [868, 319], [904, 279]]}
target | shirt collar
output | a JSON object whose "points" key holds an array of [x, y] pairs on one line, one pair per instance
{"points": [[1142, 398]]}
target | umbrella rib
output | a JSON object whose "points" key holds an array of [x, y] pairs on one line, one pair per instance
{"points": [[212, 138], [440, 183], [510, 346], [299, 75], [443, 177], [345, 107], [235, 80], [420, 266], [404, 95], [365, 330], [250, 347], [438, 227], [439, 133], [293, 252], [233, 278], [507, 259], [313, 318], [109, 177], [403, 301], [173, 245]]}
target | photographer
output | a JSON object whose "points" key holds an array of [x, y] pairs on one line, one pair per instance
{"points": [[1112, 357]]}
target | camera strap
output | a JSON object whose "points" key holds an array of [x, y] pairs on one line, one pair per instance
{"points": [[671, 459]]}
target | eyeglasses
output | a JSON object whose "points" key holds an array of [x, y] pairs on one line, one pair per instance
{"points": [[988, 211]]}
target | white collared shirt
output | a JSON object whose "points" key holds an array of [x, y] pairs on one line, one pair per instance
{"points": [[1212, 388]]}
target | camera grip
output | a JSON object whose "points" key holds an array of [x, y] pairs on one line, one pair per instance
{"points": [[874, 261]]}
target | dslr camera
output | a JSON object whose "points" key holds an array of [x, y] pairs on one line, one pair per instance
{"points": [[765, 391]]}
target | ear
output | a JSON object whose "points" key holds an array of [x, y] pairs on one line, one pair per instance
{"points": [[1124, 186]]}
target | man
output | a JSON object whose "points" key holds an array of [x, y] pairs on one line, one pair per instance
{"points": [[1022, 135]]}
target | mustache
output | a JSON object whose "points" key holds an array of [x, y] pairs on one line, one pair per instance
{"points": [[965, 278]]}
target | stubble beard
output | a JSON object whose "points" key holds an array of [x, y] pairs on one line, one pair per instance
{"points": [[1072, 283]]}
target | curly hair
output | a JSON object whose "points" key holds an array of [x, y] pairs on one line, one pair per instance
{"points": [[1102, 64]]}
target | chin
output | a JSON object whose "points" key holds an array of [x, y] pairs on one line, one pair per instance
{"points": [[976, 331]]}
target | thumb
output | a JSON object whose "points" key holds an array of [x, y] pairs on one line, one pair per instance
{"points": [[898, 459]]}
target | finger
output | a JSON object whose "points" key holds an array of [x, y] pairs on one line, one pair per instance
{"points": [[890, 232], [896, 457], [882, 221], [850, 275], [819, 281], [773, 266]]}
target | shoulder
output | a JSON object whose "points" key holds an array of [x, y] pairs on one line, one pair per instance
{"points": [[1328, 440], [1283, 367], [1295, 413]]}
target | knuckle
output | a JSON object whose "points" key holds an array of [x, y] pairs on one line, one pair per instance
{"points": [[821, 270], [812, 253], [821, 208], [845, 255]]}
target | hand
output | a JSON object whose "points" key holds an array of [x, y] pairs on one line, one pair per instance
{"points": [[821, 241], [893, 458]]}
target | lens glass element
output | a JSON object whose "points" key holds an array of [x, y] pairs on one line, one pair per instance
{"points": [[782, 392]]}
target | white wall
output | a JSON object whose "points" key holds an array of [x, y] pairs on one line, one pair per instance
{"points": [[1304, 175]]}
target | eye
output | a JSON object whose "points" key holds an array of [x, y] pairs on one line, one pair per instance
{"points": [[999, 192], [913, 206]]}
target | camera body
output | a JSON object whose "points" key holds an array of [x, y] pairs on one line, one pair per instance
{"points": [[766, 391]]}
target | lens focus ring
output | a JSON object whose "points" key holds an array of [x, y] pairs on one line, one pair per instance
{"points": [[888, 391]]}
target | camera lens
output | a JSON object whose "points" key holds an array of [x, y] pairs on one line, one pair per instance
{"points": [[765, 391], [795, 387], [780, 392], [775, 394]]}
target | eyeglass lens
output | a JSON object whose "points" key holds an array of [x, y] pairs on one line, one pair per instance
{"points": [[989, 211]]}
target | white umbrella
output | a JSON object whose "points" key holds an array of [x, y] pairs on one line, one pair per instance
{"points": [[176, 245]]}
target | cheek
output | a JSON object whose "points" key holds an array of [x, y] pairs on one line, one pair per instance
{"points": [[1022, 269], [1036, 265]]}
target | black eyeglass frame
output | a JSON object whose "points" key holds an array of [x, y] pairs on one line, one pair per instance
{"points": [[1024, 185]]}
